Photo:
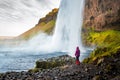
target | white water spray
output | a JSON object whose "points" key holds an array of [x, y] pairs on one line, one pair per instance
{"points": [[67, 35]]}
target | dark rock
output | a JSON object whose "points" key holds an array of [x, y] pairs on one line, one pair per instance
{"points": [[82, 76], [97, 77], [86, 69], [101, 15], [72, 72]]}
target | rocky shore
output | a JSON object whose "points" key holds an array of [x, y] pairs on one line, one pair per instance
{"points": [[70, 71]]}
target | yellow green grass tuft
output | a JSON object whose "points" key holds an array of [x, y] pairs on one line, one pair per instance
{"points": [[107, 43], [42, 27]]}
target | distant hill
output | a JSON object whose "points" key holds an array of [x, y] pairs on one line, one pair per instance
{"points": [[9, 40], [6, 37]]}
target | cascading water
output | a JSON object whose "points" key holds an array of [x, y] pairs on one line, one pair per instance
{"points": [[67, 35]]}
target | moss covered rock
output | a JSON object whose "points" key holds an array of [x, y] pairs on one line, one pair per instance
{"points": [[107, 44], [53, 62]]}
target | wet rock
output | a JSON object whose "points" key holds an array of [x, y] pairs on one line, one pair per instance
{"points": [[82, 76], [116, 60], [116, 78], [86, 69], [97, 77]]}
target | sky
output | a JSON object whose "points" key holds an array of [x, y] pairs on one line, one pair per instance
{"points": [[18, 16]]}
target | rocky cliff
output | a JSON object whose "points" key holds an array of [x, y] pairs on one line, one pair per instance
{"points": [[50, 16], [102, 14], [102, 22]]}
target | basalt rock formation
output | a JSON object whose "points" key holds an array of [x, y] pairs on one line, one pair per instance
{"points": [[101, 14]]}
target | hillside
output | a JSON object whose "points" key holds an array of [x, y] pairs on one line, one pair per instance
{"points": [[45, 24], [6, 37], [8, 40]]}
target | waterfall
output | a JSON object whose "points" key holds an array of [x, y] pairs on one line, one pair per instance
{"points": [[67, 33]]}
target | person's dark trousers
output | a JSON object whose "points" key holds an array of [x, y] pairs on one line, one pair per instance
{"points": [[77, 57], [77, 60]]}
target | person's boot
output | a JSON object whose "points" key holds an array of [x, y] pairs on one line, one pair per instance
{"points": [[77, 62]]}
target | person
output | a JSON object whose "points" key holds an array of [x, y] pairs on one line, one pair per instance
{"points": [[77, 54]]}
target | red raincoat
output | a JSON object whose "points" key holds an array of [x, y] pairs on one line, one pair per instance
{"points": [[77, 54]]}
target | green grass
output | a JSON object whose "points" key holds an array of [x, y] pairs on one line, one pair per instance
{"points": [[48, 28], [107, 42], [42, 27], [106, 38]]}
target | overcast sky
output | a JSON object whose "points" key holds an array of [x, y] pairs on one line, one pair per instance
{"points": [[17, 16]]}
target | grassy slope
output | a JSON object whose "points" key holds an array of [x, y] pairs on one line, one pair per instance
{"points": [[107, 42], [48, 28], [42, 27], [45, 24]]}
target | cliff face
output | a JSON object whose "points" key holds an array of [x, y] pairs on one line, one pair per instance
{"points": [[102, 14]]}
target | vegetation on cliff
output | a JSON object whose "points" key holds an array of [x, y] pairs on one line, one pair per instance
{"points": [[106, 54], [107, 43], [101, 29], [45, 24]]}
